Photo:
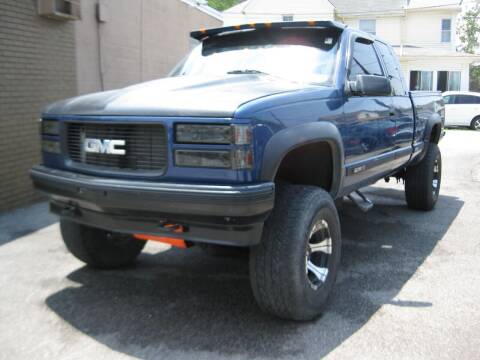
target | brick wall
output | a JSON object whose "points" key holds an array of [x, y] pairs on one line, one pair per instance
{"points": [[37, 66]]}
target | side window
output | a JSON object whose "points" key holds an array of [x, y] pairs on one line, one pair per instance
{"points": [[449, 99], [446, 30], [467, 99], [392, 67], [364, 60]]}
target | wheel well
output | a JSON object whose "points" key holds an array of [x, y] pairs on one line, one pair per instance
{"points": [[435, 135], [310, 164]]}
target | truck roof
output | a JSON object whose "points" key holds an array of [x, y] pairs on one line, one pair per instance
{"points": [[203, 34]]}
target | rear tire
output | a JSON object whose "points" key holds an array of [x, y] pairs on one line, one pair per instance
{"points": [[423, 180], [100, 248], [293, 269], [475, 124]]}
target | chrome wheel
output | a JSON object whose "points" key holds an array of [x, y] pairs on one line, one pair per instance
{"points": [[319, 251]]}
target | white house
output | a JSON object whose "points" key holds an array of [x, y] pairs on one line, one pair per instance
{"points": [[423, 32]]}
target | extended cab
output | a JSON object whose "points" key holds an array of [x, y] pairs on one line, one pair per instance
{"points": [[249, 143]]}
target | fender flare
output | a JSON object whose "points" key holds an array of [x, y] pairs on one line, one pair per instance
{"points": [[433, 121], [286, 140]]}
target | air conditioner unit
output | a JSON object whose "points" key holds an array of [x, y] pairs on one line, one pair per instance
{"points": [[59, 9]]}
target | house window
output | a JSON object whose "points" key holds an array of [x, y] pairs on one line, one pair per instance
{"points": [[287, 17], [446, 30], [369, 26], [448, 80], [421, 80]]}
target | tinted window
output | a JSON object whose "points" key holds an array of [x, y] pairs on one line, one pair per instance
{"points": [[449, 99], [393, 68], [364, 61], [467, 99]]}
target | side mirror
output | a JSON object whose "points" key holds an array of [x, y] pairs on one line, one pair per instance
{"points": [[371, 85]]}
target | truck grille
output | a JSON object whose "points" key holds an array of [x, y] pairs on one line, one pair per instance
{"points": [[145, 146]]}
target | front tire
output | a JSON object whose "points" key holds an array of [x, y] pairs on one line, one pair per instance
{"points": [[100, 248], [423, 180], [293, 269]]}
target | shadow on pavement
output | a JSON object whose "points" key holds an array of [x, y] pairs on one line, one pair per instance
{"points": [[21, 222], [184, 302]]}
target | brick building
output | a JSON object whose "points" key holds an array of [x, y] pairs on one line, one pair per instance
{"points": [[77, 47]]}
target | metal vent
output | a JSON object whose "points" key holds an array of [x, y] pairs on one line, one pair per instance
{"points": [[59, 9]]}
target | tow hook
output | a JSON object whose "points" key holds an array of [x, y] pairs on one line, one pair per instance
{"points": [[69, 210], [172, 241]]}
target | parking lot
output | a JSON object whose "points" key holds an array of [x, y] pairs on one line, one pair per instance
{"points": [[408, 288]]}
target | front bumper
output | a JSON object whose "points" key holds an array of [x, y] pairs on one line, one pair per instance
{"points": [[229, 215]]}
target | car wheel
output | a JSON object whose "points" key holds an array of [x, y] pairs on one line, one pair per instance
{"points": [[475, 125], [423, 180], [100, 248], [293, 269]]}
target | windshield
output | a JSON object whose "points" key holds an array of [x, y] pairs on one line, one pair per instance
{"points": [[300, 55]]}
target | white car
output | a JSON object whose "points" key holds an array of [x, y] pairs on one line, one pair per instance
{"points": [[462, 108]]}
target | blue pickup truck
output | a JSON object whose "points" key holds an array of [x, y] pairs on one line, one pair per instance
{"points": [[251, 143]]}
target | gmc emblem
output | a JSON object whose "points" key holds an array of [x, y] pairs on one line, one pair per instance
{"points": [[98, 146]]}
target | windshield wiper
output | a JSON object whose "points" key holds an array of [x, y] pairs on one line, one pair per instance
{"points": [[246, 71]]}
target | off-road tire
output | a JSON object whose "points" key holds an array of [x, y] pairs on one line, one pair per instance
{"points": [[475, 124], [419, 189], [99, 248], [278, 265]]}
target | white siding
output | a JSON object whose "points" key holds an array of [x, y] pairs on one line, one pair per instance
{"points": [[424, 29], [387, 28], [257, 11], [237, 19]]}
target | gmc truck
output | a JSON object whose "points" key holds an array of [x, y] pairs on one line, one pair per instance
{"points": [[251, 143]]}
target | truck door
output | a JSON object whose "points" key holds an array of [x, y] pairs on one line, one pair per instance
{"points": [[402, 114], [368, 130]]}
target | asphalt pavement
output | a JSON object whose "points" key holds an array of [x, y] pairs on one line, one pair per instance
{"points": [[409, 288]]}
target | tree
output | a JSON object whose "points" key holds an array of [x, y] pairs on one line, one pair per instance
{"points": [[469, 34], [222, 5], [469, 30]]}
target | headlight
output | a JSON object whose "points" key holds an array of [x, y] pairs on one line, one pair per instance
{"points": [[213, 134], [50, 127], [203, 134]]}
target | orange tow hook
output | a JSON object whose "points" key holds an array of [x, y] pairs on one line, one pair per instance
{"points": [[179, 243]]}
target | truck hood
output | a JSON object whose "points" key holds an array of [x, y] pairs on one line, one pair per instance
{"points": [[177, 96]]}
